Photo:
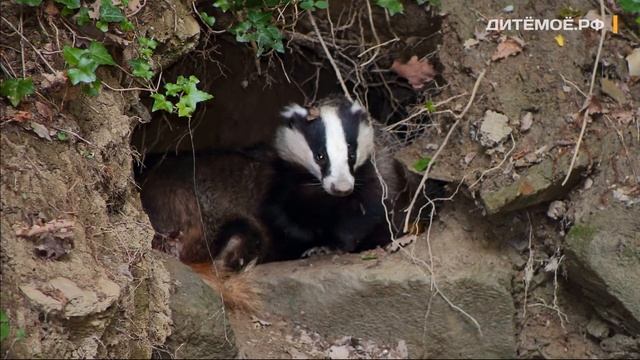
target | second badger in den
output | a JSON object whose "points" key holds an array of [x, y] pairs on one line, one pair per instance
{"points": [[318, 188]]}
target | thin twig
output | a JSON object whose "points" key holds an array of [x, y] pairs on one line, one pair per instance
{"points": [[603, 34], [444, 143], [331, 60], [30, 44]]}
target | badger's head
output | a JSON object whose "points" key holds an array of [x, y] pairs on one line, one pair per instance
{"points": [[331, 141]]}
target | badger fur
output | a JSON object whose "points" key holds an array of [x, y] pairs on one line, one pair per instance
{"points": [[326, 191], [316, 185], [217, 219]]}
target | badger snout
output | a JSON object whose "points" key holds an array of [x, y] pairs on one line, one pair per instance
{"points": [[339, 187]]}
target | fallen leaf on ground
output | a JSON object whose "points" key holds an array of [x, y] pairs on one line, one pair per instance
{"points": [[40, 130], [44, 110], [134, 5], [610, 88], [469, 43], [559, 40], [51, 9], [417, 72], [593, 106], [18, 116], [59, 227], [510, 45], [52, 82]]}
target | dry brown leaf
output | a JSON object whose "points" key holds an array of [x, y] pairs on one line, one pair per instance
{"points": [[594, 106], [53, 82], [51, 9], [609, 87], [417, 72], [44, 110], [59, 227], [134, 5], [18, 116], [40, 130], [508, 46]]}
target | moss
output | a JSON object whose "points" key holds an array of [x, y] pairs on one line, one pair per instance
{"points": [[582, 232]]}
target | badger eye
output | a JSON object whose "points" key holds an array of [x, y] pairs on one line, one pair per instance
{"points": [[352, 155], [320, 157]]}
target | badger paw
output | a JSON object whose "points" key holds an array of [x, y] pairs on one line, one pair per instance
{"points": [[315, 251]]}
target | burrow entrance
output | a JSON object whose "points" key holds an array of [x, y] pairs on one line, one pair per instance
{"points": [[250, 92]]}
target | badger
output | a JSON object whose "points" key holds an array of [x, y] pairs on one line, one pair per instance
{"points": [[326, 190], [316, 185]]}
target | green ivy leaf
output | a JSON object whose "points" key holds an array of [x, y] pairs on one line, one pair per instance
{"points": [[16, 89], [72, 55], [92, 89], [126, 25], [110, 13], [173, 89], [69, 4], [393, 6], [85, 72], [422, 164], [306, 5], [29, 2], [100, 54], [102, 26], [207, 19], [4, 325], [62, 136], [191, 97], [630, 6], [82, 17], [161, 103], [322, 4], [147, 43], [223, 5], [141, 68]]}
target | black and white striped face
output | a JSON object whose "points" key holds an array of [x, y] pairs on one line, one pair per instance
{"points": [[331, 143]]}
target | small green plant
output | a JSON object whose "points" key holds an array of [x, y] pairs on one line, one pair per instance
{"points": [[422, 164], [83, 64], [187, 93], [4, 325], [392, 6], [258, 27], [16, 89], [632, 7], [430, 106], [313, 4], [141, 66]]}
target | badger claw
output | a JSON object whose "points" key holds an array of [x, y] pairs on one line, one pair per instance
{"points": [[315, 251]]}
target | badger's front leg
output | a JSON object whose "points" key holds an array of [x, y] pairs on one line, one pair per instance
{"points": [[354, 228]]}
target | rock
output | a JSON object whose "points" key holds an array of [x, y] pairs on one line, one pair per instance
{"points": [[44, 302], [200, 326], [526, 122], [603, 257], [557, 209], [338, 352], [386, 302], [603, 247], [494, 128], [541, 182], [597, 328]]}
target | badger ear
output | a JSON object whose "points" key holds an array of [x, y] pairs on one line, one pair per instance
{"points": [[293, 112], [357, 110]]}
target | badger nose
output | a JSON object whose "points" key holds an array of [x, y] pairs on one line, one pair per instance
{"points": [[339, 191]]}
